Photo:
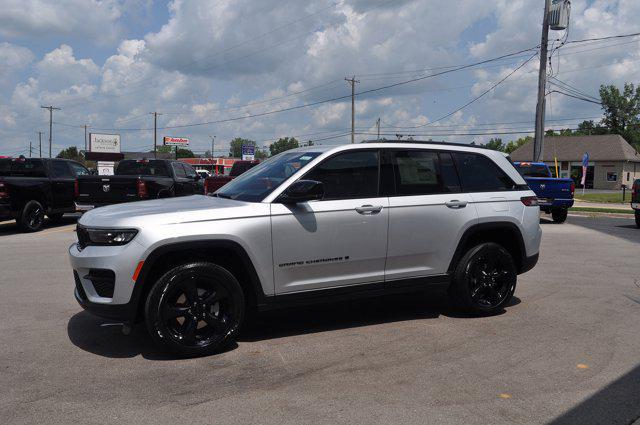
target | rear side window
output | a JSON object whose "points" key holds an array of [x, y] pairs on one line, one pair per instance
{"points": [[348, 175], [527, 169], [61, 170], [22, 168], [480, 174]]}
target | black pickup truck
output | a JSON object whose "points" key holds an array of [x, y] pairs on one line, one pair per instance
{"points": [[31, 188], [138, 179]]}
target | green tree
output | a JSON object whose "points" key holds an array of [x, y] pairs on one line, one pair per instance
{"points": [[182, 152], [495, 144], [622, 111], [590, 127], [235, 146], [513, 145], [71, 153], [283, 144]]}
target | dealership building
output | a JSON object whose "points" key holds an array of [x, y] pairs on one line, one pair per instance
{"points": [[612, 161]]}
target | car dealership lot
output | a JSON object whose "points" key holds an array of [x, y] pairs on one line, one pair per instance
{"points": [[566, 349]]}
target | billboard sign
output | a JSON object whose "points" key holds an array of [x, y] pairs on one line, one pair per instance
{"points": [[248, 152], [105, 168], [175, 141], [104, 143]]}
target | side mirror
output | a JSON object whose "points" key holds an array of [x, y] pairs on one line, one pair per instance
{"points": [[302, 191]]}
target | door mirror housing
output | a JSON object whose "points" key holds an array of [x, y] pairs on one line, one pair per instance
{"points": [[302, 191]]}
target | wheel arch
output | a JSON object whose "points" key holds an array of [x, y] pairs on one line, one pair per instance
{"points": [[225, 253], [506, 234]]}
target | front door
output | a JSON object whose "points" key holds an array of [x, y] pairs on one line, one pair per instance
{"points": [[183, 185], [340, 240]]}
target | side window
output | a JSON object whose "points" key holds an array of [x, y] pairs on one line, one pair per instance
{"points": [[78, 169], [417, 172], [60, 169], [480, 174], [189, 170], [178, 169], [450, 180], [348, 175]]}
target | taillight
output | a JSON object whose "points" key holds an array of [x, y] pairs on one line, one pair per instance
{"points": [[142, 189], [573, 188], [4, 191], [76, 189], [530, 201]]}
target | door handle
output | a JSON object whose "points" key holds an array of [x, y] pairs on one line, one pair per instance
{"points": [[455, 204], [369, 209]]}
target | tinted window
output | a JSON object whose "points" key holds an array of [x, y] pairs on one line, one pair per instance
{"points": [[22, 168], [60, 169], [526, 169], [416, 172], [142, 167], [178, 169], [348, 175], [189, 170], [450, 180], [78, 169], [480, 174]]}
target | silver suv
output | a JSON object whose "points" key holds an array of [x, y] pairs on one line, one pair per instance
{"points": [[308, 225]]}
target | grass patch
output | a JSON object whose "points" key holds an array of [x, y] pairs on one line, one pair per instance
{"points": [[601, 210], [607, 198]]}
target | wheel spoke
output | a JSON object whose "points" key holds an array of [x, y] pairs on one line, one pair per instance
{"points": [[173, 312], [189, 329], [191, 290], [213, 320]]}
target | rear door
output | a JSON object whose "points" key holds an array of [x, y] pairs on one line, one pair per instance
{"points": [[63, 183], [340, 240], [428, 213]]}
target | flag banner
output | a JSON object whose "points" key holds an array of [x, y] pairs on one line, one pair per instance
{"points": [[585, 164]]}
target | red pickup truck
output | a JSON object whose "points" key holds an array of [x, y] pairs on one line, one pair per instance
{"points": [[213, 183]]}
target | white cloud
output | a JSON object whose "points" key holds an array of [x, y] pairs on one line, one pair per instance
{"points": [[13, 58]]}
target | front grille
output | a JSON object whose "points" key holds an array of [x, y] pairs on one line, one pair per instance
{"points": [[83, 237], [103, 281]]}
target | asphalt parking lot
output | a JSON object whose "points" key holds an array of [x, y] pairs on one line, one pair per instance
{"points": [[565, 351]]}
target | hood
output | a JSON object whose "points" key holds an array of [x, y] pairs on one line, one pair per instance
{"points": [[169, 211]]}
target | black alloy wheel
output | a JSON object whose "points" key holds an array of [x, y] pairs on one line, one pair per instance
{"points": [[484, 280], [32, 217], [195, 309]]}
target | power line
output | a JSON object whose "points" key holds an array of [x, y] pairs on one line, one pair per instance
{"points": [[575, 97]]}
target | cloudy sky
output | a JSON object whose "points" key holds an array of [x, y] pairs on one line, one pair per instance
{"points": [[108, 63]]}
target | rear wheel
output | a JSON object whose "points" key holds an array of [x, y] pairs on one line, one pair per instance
{"points": [[559, 215], [638, 219], [195, 309], [32, 217], [484, 280]]}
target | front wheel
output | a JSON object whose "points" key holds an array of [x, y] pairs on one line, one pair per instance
{"points": [[195, 309], [638, 219], [484, 280], [32, 217], [559, 215]]}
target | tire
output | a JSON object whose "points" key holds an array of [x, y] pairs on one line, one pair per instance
{"points": [[484, 280], [195, 309], [32, 217], [559, 215], [638, 219], [55, 217]]}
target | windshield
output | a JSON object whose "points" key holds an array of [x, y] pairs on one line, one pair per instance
{"points": [[261, 180], [532, 170], [142, 167]]}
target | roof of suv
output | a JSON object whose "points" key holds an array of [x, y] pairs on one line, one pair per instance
{"points": [[395, 143]]}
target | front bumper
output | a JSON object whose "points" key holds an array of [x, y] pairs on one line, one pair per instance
{"points": [[122, 261], [528, 263]]}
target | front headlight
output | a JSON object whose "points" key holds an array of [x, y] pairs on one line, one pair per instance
{"points": [[104, 237]]}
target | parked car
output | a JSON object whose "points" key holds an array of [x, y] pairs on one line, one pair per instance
{"points": [[31, 188], [635, 200], [555, 195], [138, 179], [313, 224], [213, 183], [203, 173]]}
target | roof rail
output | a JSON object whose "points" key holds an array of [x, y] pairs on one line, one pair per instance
{"points": [[431, 142]]}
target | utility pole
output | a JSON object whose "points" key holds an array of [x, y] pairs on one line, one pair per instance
{"points": [[542, 85], [353, 82], [155, 132], [213, 139], [40, 142], [30, 149], [378, 126], [85, 137], [51, 109]]}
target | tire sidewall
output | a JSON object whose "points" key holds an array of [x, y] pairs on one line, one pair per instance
{"points": [[559, 216], [156, 327], [23, 222], [637, 214], [460, 285]]}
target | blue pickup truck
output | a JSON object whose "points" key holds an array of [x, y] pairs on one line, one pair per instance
{"points": [[555, 196]]}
